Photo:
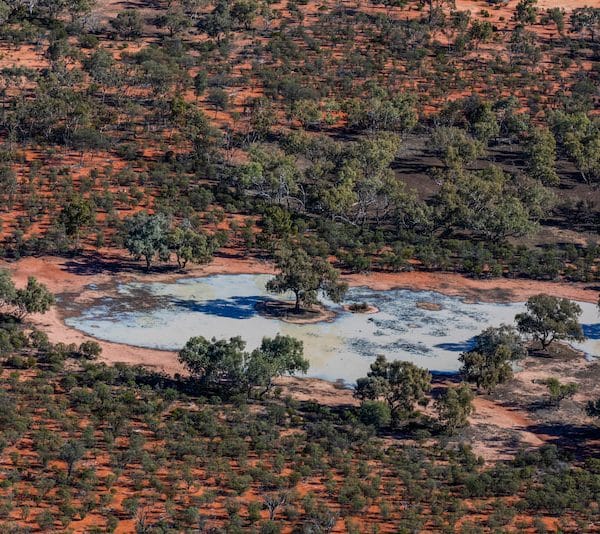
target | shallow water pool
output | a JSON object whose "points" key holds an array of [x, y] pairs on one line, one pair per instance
{"points": [[166, 315]]}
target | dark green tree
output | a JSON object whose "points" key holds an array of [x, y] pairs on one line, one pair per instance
{"points": [[70, 453], [454, 407], [76, 215], [402, 385], [200, 83], [489, 362], [549, 319], [559, 391], [188, 245], [586, 19], [305, 276], [541, 156], [214, 362], [526, 12], [146, 236], [128, 23], [278, 356], [375, 413]]}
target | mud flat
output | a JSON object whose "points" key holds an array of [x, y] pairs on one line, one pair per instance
{"points": [[338, 343]]}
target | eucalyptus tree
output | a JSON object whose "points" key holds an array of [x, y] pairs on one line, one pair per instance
{"points": [[305, 276], [146, 236], [488, 363], [550, 319], [402, 385]]}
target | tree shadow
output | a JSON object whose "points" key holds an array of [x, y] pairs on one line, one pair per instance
{"points": [[462, 346], [582, 441], [591, 331], [95, 264], [231, 308]]}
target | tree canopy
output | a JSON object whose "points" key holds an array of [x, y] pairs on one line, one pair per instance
{"points": [[305, 276], [550, 319], [20, 302], [488, 363], [402, 385], [225, 364]]}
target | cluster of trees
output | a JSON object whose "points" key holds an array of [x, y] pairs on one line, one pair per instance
{"points": [[364, 207], [222, 365], [151, 236], [346, 192], [392, 390], [546, 320], [489, 362]]}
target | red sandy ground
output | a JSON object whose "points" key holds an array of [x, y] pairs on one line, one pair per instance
{"points": [[59, 277]]}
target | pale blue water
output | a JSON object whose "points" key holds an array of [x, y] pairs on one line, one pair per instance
{"points": [[165, 316]]}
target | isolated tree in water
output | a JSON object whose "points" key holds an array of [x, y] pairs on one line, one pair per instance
{"points": [[549, 319], [305, 276]]}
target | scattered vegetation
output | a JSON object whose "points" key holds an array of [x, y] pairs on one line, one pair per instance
{"points": [[350, 136]]}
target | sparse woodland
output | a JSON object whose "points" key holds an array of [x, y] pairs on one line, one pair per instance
{"points": [[326, 137], [393, 136]]}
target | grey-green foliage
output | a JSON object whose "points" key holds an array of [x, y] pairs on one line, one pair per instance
{"points": [[146, 236], [278, 356], [190, 245], [33, 298], [586, 19], [305, 276], [383, 112], [490, 203], [455, 147], [578, 138], [454, 407], [152, 236], [559, 391], [375, 413], [214, 362], [489, 362], [541, 156], [128, 23], [402, 385], [549, 319], [71, 452], [226, 363]]}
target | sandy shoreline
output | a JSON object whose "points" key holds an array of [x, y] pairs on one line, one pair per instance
{"points": [[75, 275], [492, 419], [67, 275]]}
